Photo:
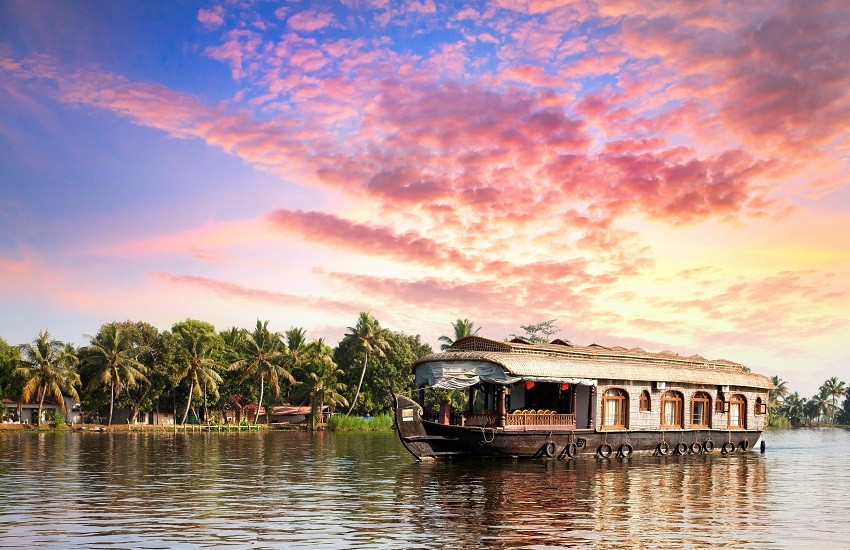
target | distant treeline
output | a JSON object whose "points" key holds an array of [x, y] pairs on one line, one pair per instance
{"points": [[829, 406], [194, 368]]}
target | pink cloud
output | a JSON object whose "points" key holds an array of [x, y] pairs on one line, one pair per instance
{"points": [[311, 20], [211, 18], [234, 291]]}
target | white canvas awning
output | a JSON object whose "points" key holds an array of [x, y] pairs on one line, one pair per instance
{"points": [[456, 375]]}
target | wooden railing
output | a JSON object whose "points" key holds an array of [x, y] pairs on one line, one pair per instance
{"points": [[544, 419], [522, 419]]}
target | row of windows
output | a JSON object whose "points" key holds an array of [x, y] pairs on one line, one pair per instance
{"points": [[615, 409]]}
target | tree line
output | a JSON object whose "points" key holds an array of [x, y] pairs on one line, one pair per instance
{"points": [[829, 406], [192, 368]]}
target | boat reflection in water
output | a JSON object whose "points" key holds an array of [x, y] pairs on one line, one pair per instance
{"points": [[642, 501]]}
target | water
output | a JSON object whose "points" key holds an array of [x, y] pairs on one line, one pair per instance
{"points": [[292, 489]]}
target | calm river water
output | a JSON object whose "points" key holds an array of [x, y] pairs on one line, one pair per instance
{"points": [[292, 489]]}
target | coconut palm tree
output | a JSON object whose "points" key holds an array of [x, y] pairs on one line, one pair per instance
{"points": [[368, 337], [834, 389], [200, 368], [113, 360], [48, 367], [777, 395], [462, 328], [319, 384], [794, 408], [262, 353]]}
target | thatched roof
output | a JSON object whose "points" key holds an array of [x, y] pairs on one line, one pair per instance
{"points": [[564, 360]]}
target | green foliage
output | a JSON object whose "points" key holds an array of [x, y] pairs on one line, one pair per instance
{"points": [[111, 361], [346, 423], [385, 375], [263, 354], [199, 343], [776, 420], [56, 418], [539, 332], [462, 328], [9, 356], [48, 368], [317, 380]]}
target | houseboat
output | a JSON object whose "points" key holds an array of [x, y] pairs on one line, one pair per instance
{"points": [[559, 400]]}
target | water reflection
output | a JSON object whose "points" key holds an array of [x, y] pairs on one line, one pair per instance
{"points": [[641, 501], [272, 490]]}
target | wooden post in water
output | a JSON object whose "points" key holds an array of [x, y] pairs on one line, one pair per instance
{"points": [[591, 406]]}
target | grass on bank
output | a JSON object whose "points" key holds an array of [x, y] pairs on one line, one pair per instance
{"points": [[345, 423]]}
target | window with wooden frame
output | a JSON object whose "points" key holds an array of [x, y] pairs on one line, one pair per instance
{"points": [[671, 410], [720, 404], [737, 412], [760, 408], [644, 401], [700, 410], [615, 404]]}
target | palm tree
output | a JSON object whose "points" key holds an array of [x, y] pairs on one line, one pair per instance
{"points": [[200, 369], [368, 337], [462, 328], [262, 354], [48, 367], [777, 395], [833, 388], [320, 383], [794, 408], [113, 359]]}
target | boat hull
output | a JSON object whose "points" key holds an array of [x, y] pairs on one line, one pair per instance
{"points": [[427, 440]]}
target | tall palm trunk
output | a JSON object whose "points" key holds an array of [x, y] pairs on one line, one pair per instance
{"points": [[40, 405], [111, 400], [189, 402], [260, 406], [360, 383]]}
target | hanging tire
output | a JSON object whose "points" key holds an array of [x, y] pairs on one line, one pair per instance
{"points": [[571, 449], [727, 448], [549, 449], [663, 448], [745, 445], [696, 448], [625, 450], [604, 450], [708, 446], [681, 449]]}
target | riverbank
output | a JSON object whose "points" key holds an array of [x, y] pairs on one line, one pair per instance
{"points": [[339, 423]]}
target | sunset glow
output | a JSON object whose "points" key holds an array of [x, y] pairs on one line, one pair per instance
{"points": [[654, 174]]}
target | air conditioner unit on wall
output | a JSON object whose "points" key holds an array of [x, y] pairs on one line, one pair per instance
{"points": [[660, 385], [724, 389]]}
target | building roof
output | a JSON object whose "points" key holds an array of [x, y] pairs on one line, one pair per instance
{"points": [[564, 360]]}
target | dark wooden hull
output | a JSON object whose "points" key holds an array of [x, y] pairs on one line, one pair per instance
{"points": [[429, 440]]}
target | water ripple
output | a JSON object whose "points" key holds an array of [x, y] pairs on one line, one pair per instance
{"points": [[284, 489]]}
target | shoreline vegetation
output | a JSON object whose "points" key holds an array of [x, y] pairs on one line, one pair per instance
{"points": [[194, 377], [338, 423]]}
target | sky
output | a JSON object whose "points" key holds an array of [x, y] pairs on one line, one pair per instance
{"points": [[671, 176]]}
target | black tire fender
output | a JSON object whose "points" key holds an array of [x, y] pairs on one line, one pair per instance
{"points": [[708, 446], [625, 450], [571, 449], [681, 448], [696, 448], [663, 448], [727, 448], [549, 449], [604, 450]]}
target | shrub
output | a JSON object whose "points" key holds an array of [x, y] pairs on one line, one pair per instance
{"points": [[345, 423], [56, 418]]}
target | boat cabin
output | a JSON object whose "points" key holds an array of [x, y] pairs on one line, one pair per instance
{"points": [[519, 386]]}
